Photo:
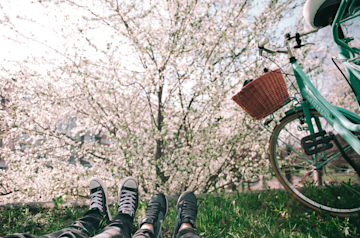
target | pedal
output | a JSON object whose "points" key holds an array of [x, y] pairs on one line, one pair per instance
{"points": [[312, 144]]}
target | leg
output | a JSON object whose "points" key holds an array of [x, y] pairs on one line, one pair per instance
{"points": [[81, 228], [20, 235], [186, 209], [121, 225], [150, 225], [89, 223]]}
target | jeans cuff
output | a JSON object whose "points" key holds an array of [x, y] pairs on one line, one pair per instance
{"points": [[143, 233], [189, 230], [93, 212], [124, 217]]}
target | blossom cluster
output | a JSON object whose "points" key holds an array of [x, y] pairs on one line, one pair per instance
{"points": [[154, 77]]}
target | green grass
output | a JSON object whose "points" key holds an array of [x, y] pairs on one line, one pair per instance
{"points": [[272, 214]]}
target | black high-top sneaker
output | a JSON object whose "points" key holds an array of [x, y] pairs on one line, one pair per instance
{"points": [[99, 197], [186, 209], [128, 197], [156, 212]]}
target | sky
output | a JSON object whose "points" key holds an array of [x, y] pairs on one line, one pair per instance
{"points": [[10, 51], [45, 30]]}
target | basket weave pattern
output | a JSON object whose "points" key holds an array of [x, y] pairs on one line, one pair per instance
{"points": [[263, 96]]}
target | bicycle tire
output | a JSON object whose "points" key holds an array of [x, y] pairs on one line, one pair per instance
{"points": [[288, 168]]}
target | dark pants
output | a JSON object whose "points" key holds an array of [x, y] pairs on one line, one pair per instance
{"points": [[119, 227], [81, 228]]}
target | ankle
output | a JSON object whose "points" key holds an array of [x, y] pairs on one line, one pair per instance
{"points": [[185, 225], [148, 226]]}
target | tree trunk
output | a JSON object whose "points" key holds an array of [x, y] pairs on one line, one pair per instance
{"points": [[159, 142]]}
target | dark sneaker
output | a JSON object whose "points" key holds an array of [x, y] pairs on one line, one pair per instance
{"points": [[156, 212], [186, 209], [99, 197], [128, 197]]}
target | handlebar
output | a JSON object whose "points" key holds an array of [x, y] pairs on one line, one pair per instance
{"points": [[265, 41], [288, 37], [300, 34]]}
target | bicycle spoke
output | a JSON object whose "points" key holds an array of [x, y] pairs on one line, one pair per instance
{"points": [[333, 185], [351, 189]]}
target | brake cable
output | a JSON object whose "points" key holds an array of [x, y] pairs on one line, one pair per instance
{"points": [[347, 80]]}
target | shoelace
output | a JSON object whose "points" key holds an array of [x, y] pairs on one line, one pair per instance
{"points": [[188, 210], [127, 204], [152, 211], [96, 200]]}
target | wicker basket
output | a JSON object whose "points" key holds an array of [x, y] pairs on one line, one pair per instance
{"points": [[263, 96]]}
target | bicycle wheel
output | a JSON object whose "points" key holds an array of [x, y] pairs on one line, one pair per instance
{"points": [[335, 187]]}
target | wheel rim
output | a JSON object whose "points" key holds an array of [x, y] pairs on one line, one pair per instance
{"points": [[334, 188]]}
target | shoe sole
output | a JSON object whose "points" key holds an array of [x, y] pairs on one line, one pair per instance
{"points": [[167, 207], [166, 212], [106, 195]]}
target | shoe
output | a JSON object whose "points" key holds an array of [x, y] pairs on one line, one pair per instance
{"points": [[156, 212], [99, 197], [186, 209], [128, 197]]}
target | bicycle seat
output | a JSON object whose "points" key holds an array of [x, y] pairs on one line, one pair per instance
{"points": [[320, 13]]}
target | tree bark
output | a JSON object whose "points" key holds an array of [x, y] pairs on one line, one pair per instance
{"points": [[159, 142]]}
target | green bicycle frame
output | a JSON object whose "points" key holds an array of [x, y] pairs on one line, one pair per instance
{"points": [[345, 51], [313, 99]]}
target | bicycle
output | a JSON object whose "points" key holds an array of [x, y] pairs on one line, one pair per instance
{"points": [[315, 149]]}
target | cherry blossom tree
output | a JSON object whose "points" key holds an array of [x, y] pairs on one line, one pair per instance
{"points": [[155, 77]]}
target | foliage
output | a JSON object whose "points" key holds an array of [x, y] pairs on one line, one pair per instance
{"points": [[156, 78], [267, 214], [51, 220]]}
